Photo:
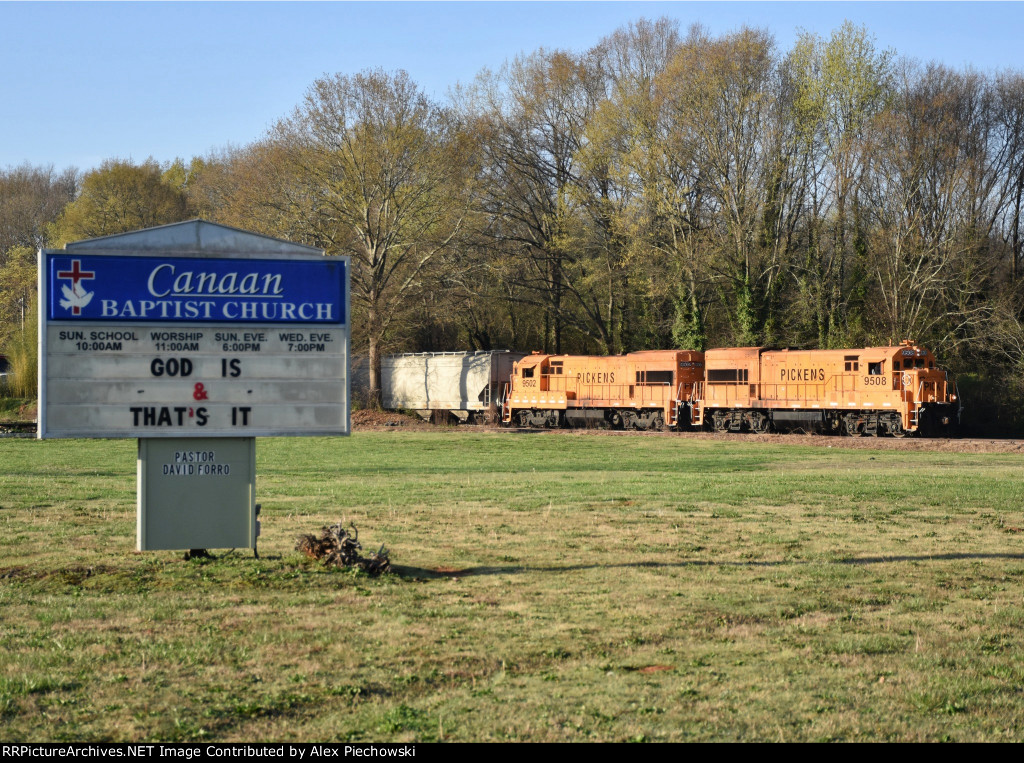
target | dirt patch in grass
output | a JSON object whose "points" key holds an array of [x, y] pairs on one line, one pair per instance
{"points": [[453, 571], [71, 574], [371, 420], [647, 669]]}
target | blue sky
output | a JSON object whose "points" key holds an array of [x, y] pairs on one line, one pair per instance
{"points": [[87, 81]]}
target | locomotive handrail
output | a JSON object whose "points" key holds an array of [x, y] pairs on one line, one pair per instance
{"points": [[836, 383], [729, 393]]}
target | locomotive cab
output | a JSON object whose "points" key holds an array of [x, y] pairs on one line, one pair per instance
{"points": [[934, 402], [531, 372], [530, 402]]}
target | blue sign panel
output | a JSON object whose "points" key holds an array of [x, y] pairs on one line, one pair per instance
{"points": [[90, 287]]}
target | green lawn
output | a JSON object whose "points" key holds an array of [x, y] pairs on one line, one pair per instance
{"points": [[547, 586]]}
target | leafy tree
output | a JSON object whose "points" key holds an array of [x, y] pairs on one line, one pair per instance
{"points": [[723, 101], [658, 188], [248, 188], [22, 350], [630, 289], [841, 85], [120, 196], [18, 322], [18, 277]]}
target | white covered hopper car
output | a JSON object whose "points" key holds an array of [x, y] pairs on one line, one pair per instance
{"points": [[467, 385]]}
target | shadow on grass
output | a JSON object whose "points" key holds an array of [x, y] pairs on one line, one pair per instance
{"points": [[447, 572], [927, 558]]}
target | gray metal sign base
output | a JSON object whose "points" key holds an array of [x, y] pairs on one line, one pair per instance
{"points": [[197, 492]]}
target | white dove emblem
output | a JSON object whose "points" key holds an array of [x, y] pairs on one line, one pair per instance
{"points": [[74, 301]]}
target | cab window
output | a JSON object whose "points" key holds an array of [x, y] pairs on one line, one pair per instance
{"points": [[727, 375]]}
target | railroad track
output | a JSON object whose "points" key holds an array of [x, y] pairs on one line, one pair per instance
{"points": [[17, 429], [25, 429], [945, 444]]}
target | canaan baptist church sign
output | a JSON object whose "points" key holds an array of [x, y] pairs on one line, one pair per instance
{"points": [[192, 329], [176, 289], [195, 338]]}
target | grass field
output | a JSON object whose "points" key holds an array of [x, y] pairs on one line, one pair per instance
{"points": [[547, 587]]}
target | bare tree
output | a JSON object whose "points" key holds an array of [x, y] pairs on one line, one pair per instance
{"points": [[932, 194], [532, 122], [374, 170], [1010, 93], [30, 199]]}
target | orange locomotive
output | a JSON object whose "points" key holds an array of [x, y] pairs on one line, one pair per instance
{"points": [[642, 390], [875, 390]]}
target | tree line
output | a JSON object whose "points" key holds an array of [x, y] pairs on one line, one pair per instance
{"points": [[666, 188]]}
